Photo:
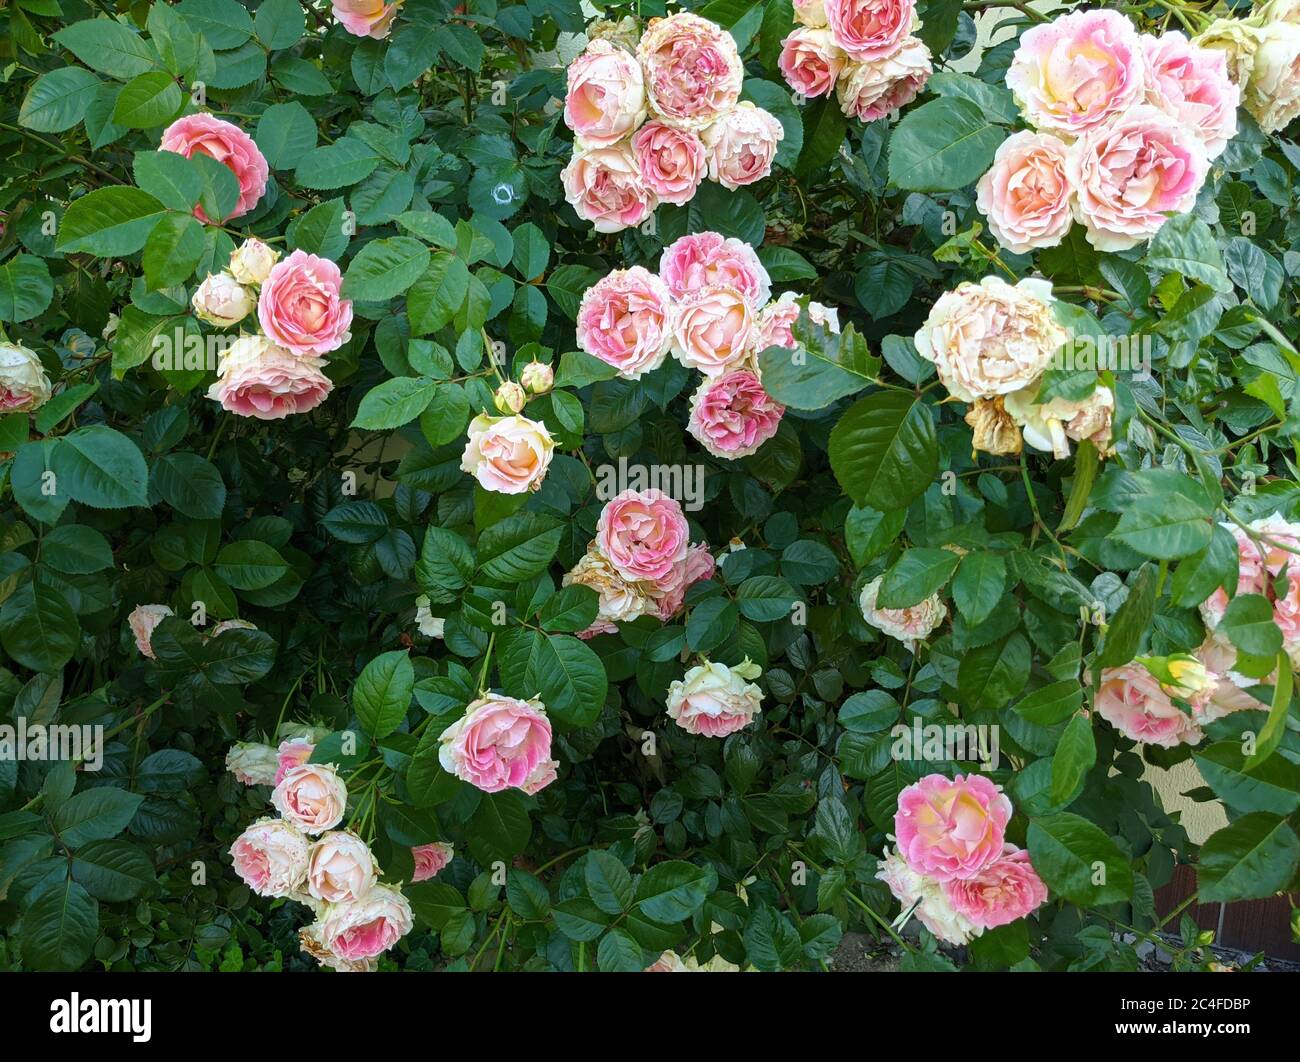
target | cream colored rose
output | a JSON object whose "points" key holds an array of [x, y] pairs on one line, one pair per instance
{"points": [[537, 377], [668, 962], [1238, 40], [23, 383], [251, 261], [1273, 93], [713, 700], [741, 145], [429, 625], [252, 762], [271, 857], [311, 939], [620, 600], [312, 796], [933, 911], [1050, 426], [509, 455], [909, 625], [365, 928], [991, 338], [1278, 11], [222, 301], [340, 867]]}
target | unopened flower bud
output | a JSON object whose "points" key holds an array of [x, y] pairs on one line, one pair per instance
{"points": [[510, 398]]}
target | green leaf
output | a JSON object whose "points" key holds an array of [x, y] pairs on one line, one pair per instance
{"points": [[173, 251], [980, 582], [824, 368], [1052, 704], [279, 23], [109, 222], [436, 296], [222, 23], [944, 145], [884, 451], [1076, 755], [608, 882], [518, 547], [112, 871], [383, 692], [1248, 623], [76, 550], [58, 100], [674, 890], [285, 133], [766, 598], [148, 101], [1270, 737], [823, 133], [1272, 785], [356, 521], [95, 815], [917, 574], [1078, 861], [59, 928], [169, 177], [1185, 244], [385, 268], [38, 628], [191, 485], [618, 952], [990, 675], [394, 402], [573, 608], [1164, 526], [250, 565], [1249, 859], [1131, 621], [499, 827], [108, 46], [25, 288], [562, 670]]}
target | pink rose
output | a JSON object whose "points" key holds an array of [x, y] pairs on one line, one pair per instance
{"points": [[692, 68], [430, 859], [713, 700], [1006, 890], [1131, 700], [270, 857], [142, 621], [871, 89], [293, 752], [672, 161], [340, 868], [1228, 693], [500, 743], [741, 145], [312, 796], [926, 899], [810, 61], [300, 307], [643, 534], [605, 187], [1259, 565], [1026, 193], [625, 320], [605, 99], [365, 18], [509, 455], [229, 145], [705, 258], [258, 379], [1131, 174], [1192, 84], [367, 927], [714, 329], [666, 596], [732, 416], [1077, 71], [869, 29], [951, 829]]}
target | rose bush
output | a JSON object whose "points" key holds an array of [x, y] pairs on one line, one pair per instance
{"points": [[515, 488]]}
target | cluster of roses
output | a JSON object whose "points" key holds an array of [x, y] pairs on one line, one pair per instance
{"points": [[510, 454], [1167, 700], [990, 344], [499, 743], [278, 372], [1124, 128], [641, 561], [301, 856], [863, 50], [1263, 54], [651, 119], [710, 306], [951, 866]]}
